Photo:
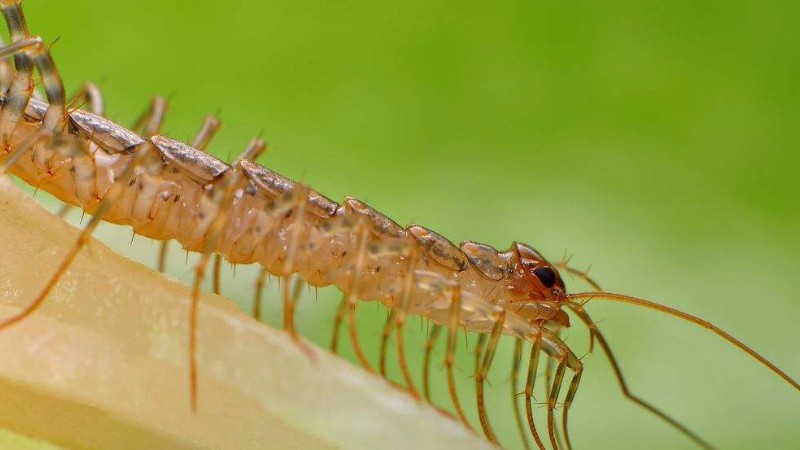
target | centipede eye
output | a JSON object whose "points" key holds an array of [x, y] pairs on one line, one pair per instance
{"points": [[546, 275]]}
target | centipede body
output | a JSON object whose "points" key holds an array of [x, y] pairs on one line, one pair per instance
{"points": [[505, 192]]}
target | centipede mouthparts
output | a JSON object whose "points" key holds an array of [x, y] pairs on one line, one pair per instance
{"points": [[244, 213]]}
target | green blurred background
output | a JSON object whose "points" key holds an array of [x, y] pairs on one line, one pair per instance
{"points": [[655, 140]]}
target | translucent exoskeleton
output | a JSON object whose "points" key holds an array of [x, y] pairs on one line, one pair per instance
{"points": [[245, 213]]}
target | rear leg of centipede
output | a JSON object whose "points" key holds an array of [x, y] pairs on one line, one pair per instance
{"points": [[113, 194], [28, 52]]}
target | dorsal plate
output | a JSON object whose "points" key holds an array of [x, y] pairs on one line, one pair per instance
{"points": [[199, 165]]}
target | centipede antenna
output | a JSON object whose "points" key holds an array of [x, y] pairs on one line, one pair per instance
{"points": [[533, 364], [515, 365], [483, 372], [689, 318], [623, 385]]}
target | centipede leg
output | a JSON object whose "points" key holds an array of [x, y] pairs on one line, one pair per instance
{"points": [[351, 296], [260, 282], [573, 389], [400, 320], [298, 198], [200, 142], [548, 376], [515, 365], [90, 94], [450, 357], [149, 123], [7, 73], [478, 352], [288, 308], [533, 364], [430, 343], [483, 372], [29, 50], [217, 277], [112, 195], [552, 398], [337, 325], [385, 334]]}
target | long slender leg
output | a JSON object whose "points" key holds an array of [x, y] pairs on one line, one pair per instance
{"points": [[149, 123], [7, 73], [91, 94], [337, 325], [201, 140], [450, 357], [430, 343], [217, 278], [111, 196], [515, 365], [299, 199], [548, 376], [400, 320], [29, 51], [533, 364], [478, 352], [385, 334], [260, 282], [224, 195], [573, 389], [552, 398], [352, 292], [483, 372]]}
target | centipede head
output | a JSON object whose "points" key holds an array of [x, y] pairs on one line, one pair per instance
{"points": [[537, 286]]}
